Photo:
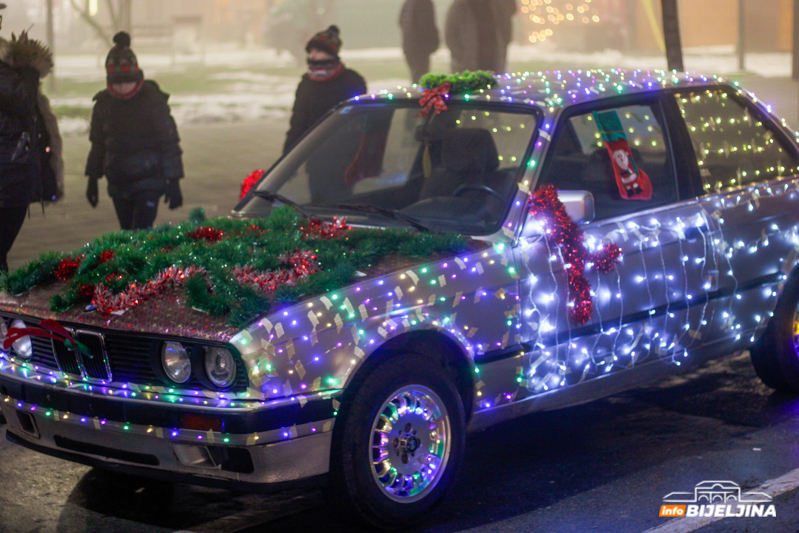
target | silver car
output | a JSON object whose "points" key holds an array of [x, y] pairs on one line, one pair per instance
{"points": [[623, 226]]}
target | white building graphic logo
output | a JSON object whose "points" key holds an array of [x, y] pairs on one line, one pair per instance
{"points": [[717, 499]]}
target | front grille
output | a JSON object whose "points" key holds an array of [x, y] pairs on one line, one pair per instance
{"points": [[96, 364], [116, 356], [67, 359], [43, 353], [130, 358]]}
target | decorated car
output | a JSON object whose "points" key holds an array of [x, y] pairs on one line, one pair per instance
{"points": [[424, 263]]}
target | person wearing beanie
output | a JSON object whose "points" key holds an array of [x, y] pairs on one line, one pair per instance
{"points": [[31, 165], [326, 84], [135, 142]]}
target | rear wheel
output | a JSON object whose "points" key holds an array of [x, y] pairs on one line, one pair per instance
{"points": [[764, 359], [397, 443], [776, 354]]}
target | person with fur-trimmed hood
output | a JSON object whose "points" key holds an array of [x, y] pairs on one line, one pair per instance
{"points": [[135, 142], [31, 165], [326, 84]]}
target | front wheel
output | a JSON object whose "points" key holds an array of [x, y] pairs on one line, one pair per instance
{"points": [[398, 442]]}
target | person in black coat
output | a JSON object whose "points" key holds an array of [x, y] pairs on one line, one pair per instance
{"points": [[419, 35], [326, 84], [31, 169], [135, 142]]}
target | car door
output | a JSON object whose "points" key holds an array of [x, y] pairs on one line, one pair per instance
{"points": [[745, 163], [654, 305]]}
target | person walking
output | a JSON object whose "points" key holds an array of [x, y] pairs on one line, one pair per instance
{"points": [[419, 35], [478, 33], [326, 84], [31, 166], [135, 142]]}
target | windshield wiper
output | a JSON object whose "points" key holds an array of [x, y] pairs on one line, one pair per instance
{"points": [[388, 213], [272, 196]]}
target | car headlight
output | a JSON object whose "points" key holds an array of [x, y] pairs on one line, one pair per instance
{"points": [[220, 366], [176, 362], [23, 347]]}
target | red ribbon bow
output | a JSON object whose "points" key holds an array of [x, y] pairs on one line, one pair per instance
{"points": [[49, 329], [434, 99]]}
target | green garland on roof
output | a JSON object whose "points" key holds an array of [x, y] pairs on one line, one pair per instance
{"points": [[466, 82], [139, 256]]}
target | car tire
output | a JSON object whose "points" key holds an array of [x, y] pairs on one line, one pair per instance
{"points": [[776, 354], [398, 442], [764, 360]]}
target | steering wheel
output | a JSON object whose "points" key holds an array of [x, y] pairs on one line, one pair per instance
{"points": [[482, 188]]}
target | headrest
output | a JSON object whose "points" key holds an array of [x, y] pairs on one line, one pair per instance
{"points": [[469, 150]]}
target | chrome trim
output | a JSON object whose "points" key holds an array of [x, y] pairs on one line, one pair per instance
{"points": [[79, 356], [103, 353]]}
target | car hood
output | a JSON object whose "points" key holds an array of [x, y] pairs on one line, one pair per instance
{"points": [[210, 279]]}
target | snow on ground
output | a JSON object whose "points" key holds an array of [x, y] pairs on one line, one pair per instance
{"points": [[254, 95]]}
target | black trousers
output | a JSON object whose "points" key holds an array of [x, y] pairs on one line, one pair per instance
{"points": [[419, 65], [137, 211], [11, 219]]}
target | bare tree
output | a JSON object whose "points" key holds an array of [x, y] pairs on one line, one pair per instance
{"points": [[671, 34], [118, 12]]}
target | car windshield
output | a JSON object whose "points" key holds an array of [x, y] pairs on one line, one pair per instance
{"points": [[386, 165]]}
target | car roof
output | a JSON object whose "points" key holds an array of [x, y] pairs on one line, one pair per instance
{"points": [[557, 89]]}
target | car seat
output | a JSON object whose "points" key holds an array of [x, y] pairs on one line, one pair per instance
{"points": [[468, 157]]}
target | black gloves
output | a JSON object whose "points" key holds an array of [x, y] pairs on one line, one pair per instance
{"points": [[92, 192], [173, 196]]}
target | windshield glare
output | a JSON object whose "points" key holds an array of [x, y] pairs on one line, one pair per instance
{"points": [[456, 171]]}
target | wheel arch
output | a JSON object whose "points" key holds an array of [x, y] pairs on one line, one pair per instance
{"points": [[433, 344], [787, 286]]}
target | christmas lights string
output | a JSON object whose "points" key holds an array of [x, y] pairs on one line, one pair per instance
{"points": [[299, 362]]}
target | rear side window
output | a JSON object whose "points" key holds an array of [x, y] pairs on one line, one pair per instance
{"points": [[733, 145]]}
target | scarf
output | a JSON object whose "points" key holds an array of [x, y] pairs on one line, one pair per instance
{"points": [[325, 70], [126, 96]]}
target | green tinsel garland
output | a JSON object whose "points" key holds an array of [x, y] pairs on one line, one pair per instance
{"points": [[139, 256], [466, 82]]}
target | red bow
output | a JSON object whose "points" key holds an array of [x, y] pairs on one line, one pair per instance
{"points": [[49, 329], [434, 98]]}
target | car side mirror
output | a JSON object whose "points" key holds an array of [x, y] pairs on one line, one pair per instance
{"points": [[579, 205]]}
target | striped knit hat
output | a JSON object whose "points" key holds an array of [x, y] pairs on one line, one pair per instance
{"points": [[120, 64], [327, 41]]}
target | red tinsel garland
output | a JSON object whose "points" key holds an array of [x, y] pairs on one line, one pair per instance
{"points": [[106, 302], [67, 267], [211, 235], [250, 181], [571, 241], [105, 256], [326, 230], [302, 262]]}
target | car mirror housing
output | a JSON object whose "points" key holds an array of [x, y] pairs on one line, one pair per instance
{"points": [[579, 205]]}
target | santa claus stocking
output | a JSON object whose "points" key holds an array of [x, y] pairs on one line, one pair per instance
{"points": [[632, 181]]}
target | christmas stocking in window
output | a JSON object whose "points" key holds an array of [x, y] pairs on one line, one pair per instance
{"points": [[633, 182]]}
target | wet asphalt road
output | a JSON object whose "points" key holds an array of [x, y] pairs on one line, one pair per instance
{"points": [[604, 466]]}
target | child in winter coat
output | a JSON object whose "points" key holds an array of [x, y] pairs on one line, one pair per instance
{"points": [[31, 167], [135, 142], [326, 84]]}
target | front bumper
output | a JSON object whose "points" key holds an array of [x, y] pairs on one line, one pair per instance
{"points": [[260, 443]]}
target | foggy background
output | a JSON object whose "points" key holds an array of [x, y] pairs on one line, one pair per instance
{"points": [[232, 68]]}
